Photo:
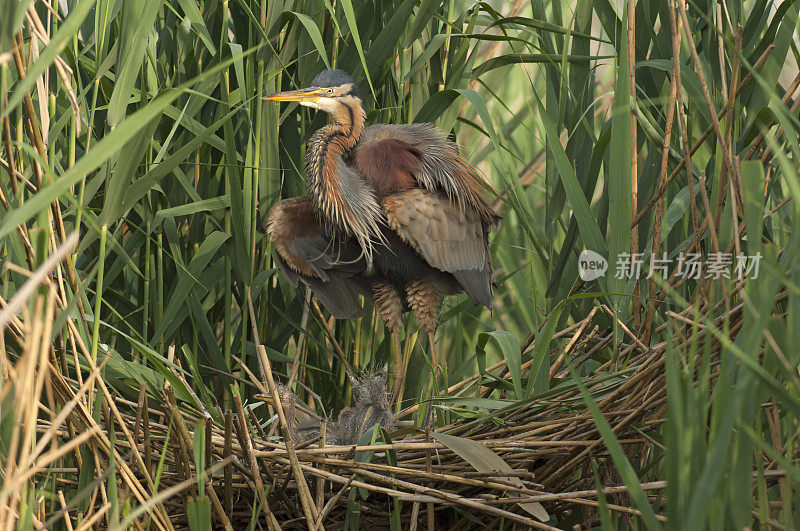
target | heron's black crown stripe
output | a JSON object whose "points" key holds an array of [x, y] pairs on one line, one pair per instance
{"points": [[332, 78]]}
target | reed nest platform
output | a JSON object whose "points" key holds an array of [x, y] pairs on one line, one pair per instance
{"points": [[515, 464]]}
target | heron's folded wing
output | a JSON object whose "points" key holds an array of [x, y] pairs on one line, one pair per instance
{"points": [[449, 238], [388, 164], [332, 266], [432, 159]]}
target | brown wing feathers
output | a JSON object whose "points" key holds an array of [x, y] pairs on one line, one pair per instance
{"points": [[333, 267], [388, 165], [439, 167], [448, 238], [290, 219]]}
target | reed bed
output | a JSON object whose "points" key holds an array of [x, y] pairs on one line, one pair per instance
{"points": [[547, 444], [142, 319]]}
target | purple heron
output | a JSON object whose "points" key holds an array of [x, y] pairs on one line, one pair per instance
{"points": [[393, 213]]}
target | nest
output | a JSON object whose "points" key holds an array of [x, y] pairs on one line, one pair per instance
{"points": [[551, 450]]}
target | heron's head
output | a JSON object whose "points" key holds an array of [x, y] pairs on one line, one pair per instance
{"points": [[331, 91]]}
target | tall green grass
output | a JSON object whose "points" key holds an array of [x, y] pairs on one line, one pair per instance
{"points": [[155, 146]]}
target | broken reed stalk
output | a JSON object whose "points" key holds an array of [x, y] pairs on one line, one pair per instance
{"points": [[309, 507], [246, 446]]}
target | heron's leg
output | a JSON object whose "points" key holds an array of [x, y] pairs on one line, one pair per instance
{"points": [[432, 347], [430, 415], [399, 368], [390, 308], [424, 300]]}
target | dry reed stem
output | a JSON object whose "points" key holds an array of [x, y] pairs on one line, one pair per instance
{"points": [[26, 291], [726, 147], [309, 507], [634, 150], [247, 447], [703, 137]]}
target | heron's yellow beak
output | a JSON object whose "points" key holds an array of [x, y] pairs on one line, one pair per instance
{"points": [[310, 94]]}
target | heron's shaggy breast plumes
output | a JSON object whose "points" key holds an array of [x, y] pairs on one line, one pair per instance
{"points": [[342, 196]]}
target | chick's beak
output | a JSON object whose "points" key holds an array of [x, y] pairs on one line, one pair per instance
{"points": [[262, 397], [302, 95]]}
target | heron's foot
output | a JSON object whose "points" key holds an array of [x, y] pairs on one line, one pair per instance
{"points": [[398, 388], [429, 418], [399, 371]]}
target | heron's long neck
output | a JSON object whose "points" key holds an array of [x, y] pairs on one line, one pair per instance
{"points": [[330, 144], [343, 199], [328, 182]]}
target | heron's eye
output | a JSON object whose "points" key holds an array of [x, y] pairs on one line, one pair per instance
{"points": [[330, 91]]}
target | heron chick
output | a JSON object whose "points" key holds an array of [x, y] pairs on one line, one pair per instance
{"points": [[371, 407]]}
